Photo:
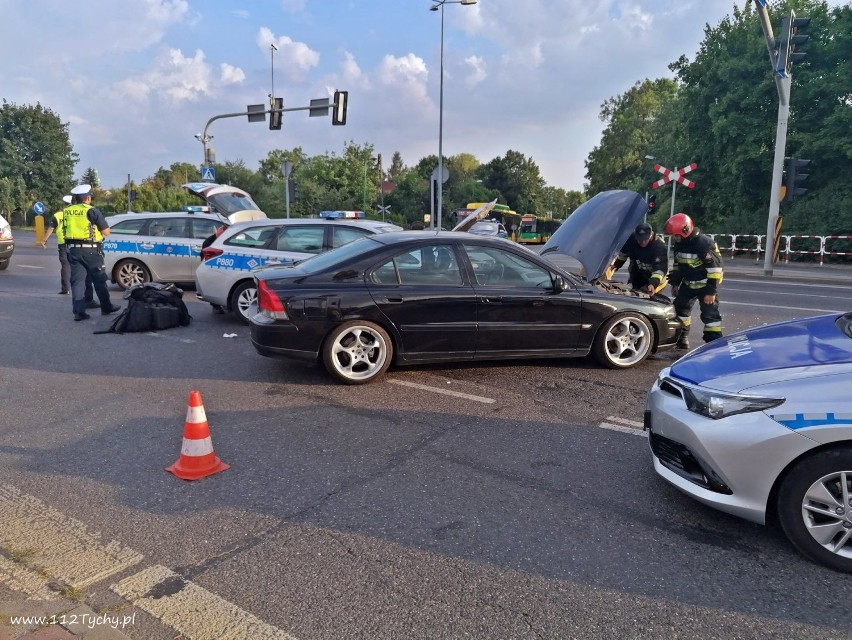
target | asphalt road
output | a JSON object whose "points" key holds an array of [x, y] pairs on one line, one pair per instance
{"points": [[488, 501]]}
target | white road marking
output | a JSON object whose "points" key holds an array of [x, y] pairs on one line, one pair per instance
{"points": [[27, 266], [446, 392], [633, 427], [805, 283], [192, 610], [798, 295], [51, 546]]}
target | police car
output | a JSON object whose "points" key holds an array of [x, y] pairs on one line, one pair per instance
{"points": [[759, 424], [158, 247], [7, 243], [224, 277]]}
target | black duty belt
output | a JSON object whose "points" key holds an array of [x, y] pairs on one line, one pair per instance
{"points": [[74, 243]]}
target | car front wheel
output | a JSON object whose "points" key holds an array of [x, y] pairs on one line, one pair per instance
{"points": [[244, 301], [3, 264], [624, 341], [357, 352], [815, 508], [130, 272]]}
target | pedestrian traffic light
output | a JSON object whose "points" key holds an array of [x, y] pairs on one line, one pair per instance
{"points": [[794, 178], [338, 113], [652, 203], [790, 38], [275, 104]]}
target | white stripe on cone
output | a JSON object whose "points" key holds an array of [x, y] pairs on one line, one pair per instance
{"points": [[197, 448], [195, 415]]}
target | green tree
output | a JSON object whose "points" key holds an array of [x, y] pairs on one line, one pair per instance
{"points": [[90, 176], [35, 147], [517, 179]]}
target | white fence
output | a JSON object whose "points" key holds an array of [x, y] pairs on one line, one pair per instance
{"points": [[795, 245]]}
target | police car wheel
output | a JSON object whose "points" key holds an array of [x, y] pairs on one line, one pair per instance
{"points": [[624, 341], [130, 272], [814, 507], [244, 301]]}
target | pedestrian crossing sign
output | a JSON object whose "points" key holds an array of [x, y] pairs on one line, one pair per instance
{"points": [[208, 174]]}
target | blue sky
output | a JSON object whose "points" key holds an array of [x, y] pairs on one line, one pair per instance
{"points": [[137, 79]]}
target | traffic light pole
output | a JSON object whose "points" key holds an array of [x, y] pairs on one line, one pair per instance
{"points": [[777, 172]]}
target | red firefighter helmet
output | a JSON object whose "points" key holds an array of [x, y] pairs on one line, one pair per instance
{"points": [[680, 224]]}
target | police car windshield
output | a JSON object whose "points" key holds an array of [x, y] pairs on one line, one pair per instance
{"points": [[231, 202]]}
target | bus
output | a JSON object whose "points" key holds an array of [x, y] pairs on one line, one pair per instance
{"points": [[535, 229], [499, 213]]}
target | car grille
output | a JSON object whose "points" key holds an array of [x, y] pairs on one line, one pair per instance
{"points": [[679, 459]]}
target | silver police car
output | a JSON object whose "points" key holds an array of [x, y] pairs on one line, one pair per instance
{"points": [[157, 247], [224, 277], [759, 424]]}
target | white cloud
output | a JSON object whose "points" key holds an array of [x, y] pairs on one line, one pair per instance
{"points": [[298, 58], [408, 72], [352, 75], [477, 70], [230, 74]]}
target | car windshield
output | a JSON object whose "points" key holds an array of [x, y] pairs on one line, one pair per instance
{"points": [[231, 202], [323, 261], [484, 227]]}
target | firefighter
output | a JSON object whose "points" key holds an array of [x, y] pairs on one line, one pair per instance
{"points": [[649, 260], [84, 228], [696, 273]]}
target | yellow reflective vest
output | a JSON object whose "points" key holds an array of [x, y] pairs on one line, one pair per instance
{"points": [[76, 225], [58, 228]]}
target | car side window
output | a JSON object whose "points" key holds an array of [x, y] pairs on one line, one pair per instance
{"points": [[202, 228], [166, 227], [345, 235], [500, 268], [127, 227], [301, 238], [253, 237], [432, 265]]}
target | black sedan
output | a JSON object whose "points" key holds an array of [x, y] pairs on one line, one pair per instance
{"points": [[417, 297]]}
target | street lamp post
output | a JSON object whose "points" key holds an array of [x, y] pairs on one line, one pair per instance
{"points": [[439, 4]]}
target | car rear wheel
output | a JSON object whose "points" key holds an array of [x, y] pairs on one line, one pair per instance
{"points": [[3, 264], [624, 341], [244, 301], [814, 508], [130, 272], [357, 352]]}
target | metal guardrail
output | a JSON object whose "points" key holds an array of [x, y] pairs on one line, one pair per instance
{"points": [[805, 245]]}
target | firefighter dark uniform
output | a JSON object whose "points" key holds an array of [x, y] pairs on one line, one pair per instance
{"points": [[84, 228], [649, 259], [696, 273]]}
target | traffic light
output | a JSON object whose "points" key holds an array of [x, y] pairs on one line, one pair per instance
{"points": [[794, 178], [790, 38], [275, 104], [652, 203], [292, 190], [338, 114]]}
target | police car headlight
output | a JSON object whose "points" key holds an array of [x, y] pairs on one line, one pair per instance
{"points": [[717, 405]]}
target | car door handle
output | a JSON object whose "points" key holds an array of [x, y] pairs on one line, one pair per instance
{"points": [[492, 299], [388, 300], [146, 245]]}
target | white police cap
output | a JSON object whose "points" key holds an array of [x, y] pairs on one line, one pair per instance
{"points": [[66, 199], [81, 190]]}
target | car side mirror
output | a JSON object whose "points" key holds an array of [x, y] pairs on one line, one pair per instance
{"points": [[559, 284]]}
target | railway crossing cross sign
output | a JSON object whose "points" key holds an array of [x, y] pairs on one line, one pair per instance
{"points": [[677, 176]]}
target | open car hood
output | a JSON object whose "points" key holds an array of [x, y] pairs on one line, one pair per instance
{"points": [[594, 234], [235, 204], [475, 216]]}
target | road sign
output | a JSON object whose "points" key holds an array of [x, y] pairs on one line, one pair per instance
{"points": [[383, 209], [677, 176], [39, 208], [208, 174]]}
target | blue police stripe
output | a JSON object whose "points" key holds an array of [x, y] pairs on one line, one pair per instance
{"points": [[150, 249], [798, 421], [239, 262]]}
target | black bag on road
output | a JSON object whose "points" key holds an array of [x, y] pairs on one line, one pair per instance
{"points": [[151, 307]]}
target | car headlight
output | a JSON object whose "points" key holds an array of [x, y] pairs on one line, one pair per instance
{"points": [[717, 405]]}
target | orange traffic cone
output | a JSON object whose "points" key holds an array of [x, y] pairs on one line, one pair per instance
{"points": [[197, 459]]}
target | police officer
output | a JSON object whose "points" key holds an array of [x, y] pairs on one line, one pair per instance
{"points": [[55, 225], [649, 259], [84, 228], [696, 273]]}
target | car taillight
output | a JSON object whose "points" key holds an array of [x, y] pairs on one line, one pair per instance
{"points": [[208, 253], [220, 230], [268, 302]]}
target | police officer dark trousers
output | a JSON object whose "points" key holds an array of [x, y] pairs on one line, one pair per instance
{"points": [[84, 228]]}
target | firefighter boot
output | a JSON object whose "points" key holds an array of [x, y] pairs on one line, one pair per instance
{"points": [[683, 340]]}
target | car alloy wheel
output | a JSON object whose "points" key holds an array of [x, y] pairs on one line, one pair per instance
{"points": [[815, 507], [357, 352], [624, 341], [244, 301], [131, 272]]}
